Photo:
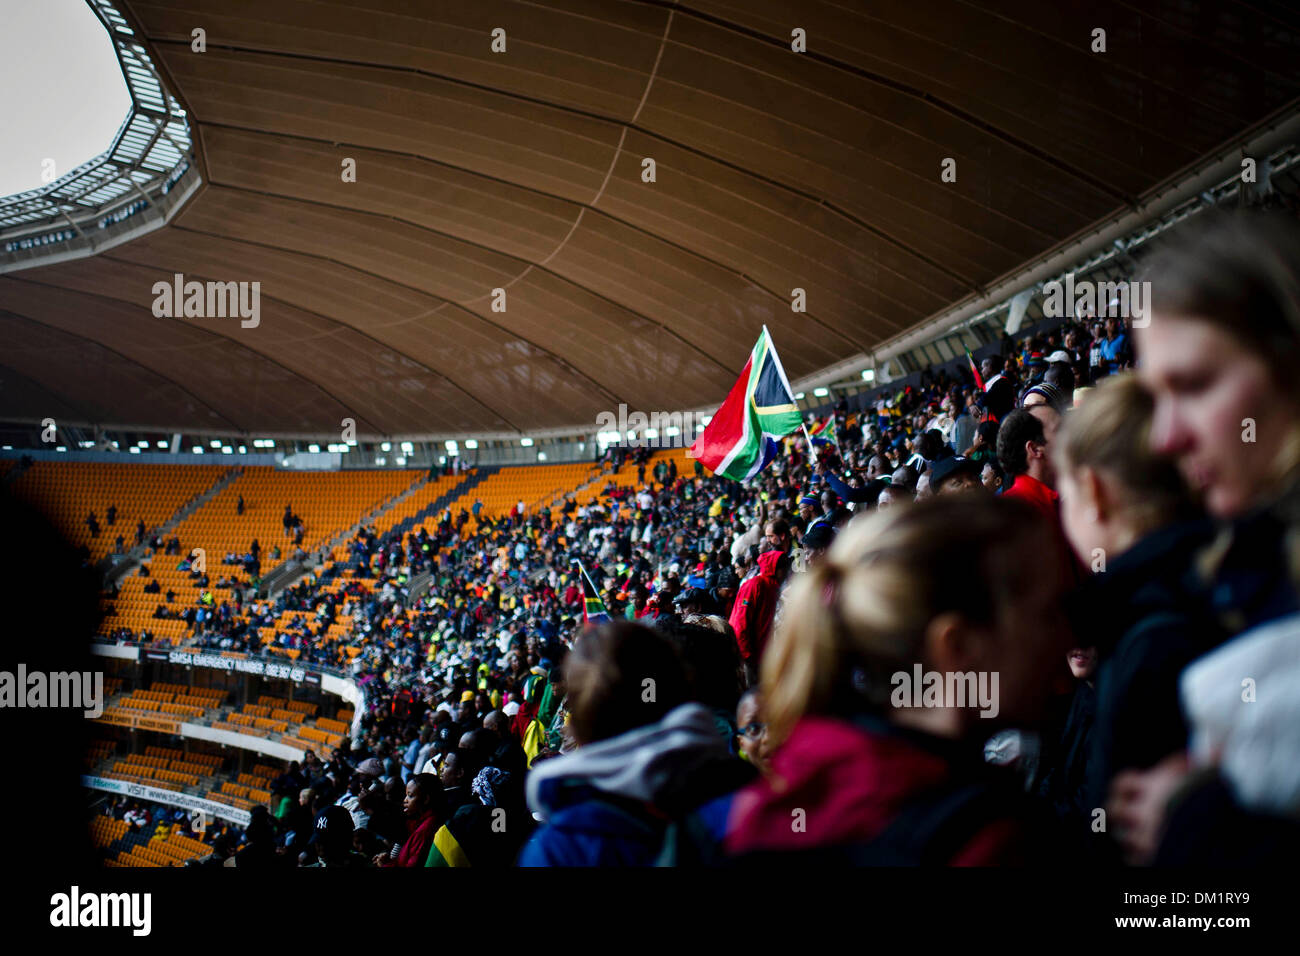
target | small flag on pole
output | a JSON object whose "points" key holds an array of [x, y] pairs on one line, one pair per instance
{"points": [[593, 608], [823, 433], [975, 371]]}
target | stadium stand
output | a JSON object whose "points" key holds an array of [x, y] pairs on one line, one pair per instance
{"points": [[71, 491]]}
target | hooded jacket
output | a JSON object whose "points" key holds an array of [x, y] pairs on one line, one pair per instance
{"points": [[609, 803], [751, 615], [867, 793]]}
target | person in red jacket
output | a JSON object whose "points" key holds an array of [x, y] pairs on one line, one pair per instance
{"points": [[424, 815], [866, 768], [1024, 446], [751, 615]]}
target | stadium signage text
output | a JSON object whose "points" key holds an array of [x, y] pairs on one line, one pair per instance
{"points": [[240, 665], [171, 798], [208, 300]]}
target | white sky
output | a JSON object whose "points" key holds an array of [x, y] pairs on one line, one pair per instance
{"points": [[62, 95]]}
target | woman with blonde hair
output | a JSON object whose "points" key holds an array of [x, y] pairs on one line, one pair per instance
{"points": [[1131, 519], [924, 629], [1219, 349]]}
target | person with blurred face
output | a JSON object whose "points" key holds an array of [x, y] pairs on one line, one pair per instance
{"points": [[1024, 445], [1130, 517], [1208, 379], [423, 808], [1082, 662], [932, 587], [1219, 351], [991, 477], [777, 534], [751, 732], [923, 487], [887, 498], [954, 475]]}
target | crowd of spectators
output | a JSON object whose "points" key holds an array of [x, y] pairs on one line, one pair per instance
{"points": [[1099, 531]]}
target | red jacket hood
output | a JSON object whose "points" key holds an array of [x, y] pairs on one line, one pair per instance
{"points": [[767, 562]]}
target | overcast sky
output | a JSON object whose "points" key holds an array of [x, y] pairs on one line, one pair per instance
{"points": [[62, 95]]}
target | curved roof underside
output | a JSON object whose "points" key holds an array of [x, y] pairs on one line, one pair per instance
{"points": [[522, 170]]}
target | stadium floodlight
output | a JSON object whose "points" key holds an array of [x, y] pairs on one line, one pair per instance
{"points": [[672, 431], [821, 392], [161, 444], [798, 396], [314, 449], [380, 460], [386, 446], [452, 446], [197, 449], [62, 448], [471, 444], [541, 456], [407, 447], [868, 375], [526, 442], [143, 443], [652, 433], [215, 443], [227, 450], [400, 461], [243, 449], [705, 419], [134, 449]]}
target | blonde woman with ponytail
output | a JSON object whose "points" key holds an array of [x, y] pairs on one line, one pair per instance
{"points": [[1132, 521], [869, 765]]}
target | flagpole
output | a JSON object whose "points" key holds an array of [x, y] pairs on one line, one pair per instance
{"points": [[812, 449], [812, 452]]}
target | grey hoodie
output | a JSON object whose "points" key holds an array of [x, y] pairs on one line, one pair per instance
{"points": [[647, 765]]}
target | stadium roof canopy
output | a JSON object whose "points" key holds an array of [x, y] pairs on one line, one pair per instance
{"points": [[524, 171]]}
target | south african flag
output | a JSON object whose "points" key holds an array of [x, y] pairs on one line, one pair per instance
{"points": [[593, 608], [744, 434], [823, 433]]}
